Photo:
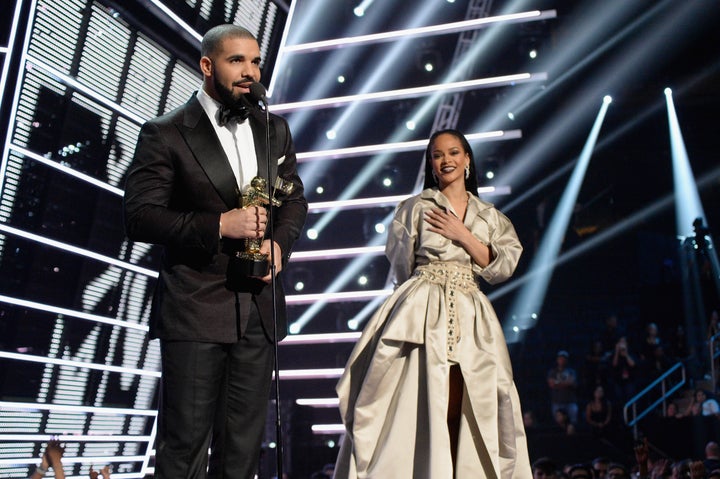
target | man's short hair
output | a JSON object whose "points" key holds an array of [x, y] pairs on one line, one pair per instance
{"points": [[214, 37]]}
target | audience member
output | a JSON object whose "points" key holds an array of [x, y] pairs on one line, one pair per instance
{"points": [[529, 420], [672, 411], [600, 466], [681, 469], [562, 381], [52, 457], [623, 368], [611, 334], [104, 472], [702, 405], [650, 342], [679, 348], [713, 324], [595, 368], [617, 471], [712, 456], [580, 471], [544, 468], [598, 412], [657, 364], [563, 423]]}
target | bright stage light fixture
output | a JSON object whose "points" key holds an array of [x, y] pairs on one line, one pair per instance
{"points": [[688, 205], [530, 299]]}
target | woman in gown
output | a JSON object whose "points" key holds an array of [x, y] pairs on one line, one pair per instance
{"points": [[428, 390]]}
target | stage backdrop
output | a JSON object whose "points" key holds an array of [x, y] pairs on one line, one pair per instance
{"points": [[79, 77]]}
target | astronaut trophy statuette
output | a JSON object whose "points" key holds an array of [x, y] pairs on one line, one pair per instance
{"points": [[251, 262]]}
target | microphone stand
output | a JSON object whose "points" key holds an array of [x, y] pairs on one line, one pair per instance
{"points": [[259, 92]]}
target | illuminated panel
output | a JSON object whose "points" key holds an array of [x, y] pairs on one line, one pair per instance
{"points": [[75, 358], [105, 45]]}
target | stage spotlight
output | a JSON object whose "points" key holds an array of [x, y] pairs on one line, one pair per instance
{"points": [[410, 125], [341, 78], [380, 228], [428, 60], [331, 134], [299, 277], [511, 115], [360, 10], [489, 174], [388, 176], [362, 280], [324, 184], [533, 54], [312, 233], [607, 99]]}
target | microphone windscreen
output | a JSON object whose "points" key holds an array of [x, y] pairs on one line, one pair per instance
{"points": [[257, 92]]}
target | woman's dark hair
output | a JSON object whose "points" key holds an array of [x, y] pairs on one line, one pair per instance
{"points": [[471, 183]]}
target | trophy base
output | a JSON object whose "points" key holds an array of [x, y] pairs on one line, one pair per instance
{"points": [[251, 264]]}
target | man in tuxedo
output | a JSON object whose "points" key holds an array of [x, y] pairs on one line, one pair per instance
{"points": [[215, 324]]}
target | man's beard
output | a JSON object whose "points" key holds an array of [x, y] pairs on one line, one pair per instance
{"points": [[227, 97]]}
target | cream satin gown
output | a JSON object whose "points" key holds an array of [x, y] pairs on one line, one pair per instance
{"points": [[394, 391]]}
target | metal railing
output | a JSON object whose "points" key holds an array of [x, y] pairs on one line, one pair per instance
{"points": [[632, 404]]}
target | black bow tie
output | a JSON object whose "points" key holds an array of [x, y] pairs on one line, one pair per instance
{"points": [[229, 113]]}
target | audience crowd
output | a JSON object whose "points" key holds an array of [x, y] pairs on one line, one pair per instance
{"points": [[587, 396]]}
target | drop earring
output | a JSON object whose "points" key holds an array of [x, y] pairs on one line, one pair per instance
{"points": [[467, 172]]}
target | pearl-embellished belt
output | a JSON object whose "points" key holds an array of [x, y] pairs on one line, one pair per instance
{"points": [[453, 277]]}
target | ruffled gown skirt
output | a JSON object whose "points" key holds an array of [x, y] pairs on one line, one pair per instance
{"points": [[394, 391]]}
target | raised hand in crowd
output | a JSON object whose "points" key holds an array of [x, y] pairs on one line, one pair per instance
{"points": [[104, 472]]}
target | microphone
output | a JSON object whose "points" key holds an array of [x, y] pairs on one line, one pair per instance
{"points": [[257, 93]]}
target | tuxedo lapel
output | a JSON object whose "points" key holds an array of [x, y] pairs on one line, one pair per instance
{"points": [[205, 146]]}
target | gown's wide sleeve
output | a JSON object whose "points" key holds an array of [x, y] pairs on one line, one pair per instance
{"points": [[401, 242], [504, 244]]}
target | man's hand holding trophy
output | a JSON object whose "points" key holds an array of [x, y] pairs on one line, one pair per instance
{"points": [[251, 261]]}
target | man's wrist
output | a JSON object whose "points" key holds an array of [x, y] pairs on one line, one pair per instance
{"points": [[40, 470]]}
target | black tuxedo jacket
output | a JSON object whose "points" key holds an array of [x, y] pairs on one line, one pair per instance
{"points": [[179, 183]]}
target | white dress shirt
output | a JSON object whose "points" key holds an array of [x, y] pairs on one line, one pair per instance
{"points": [[236, 140]]}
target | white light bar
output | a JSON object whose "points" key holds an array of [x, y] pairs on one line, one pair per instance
{"points": [[80, 251], [67, 170], [415, 145], [76, 85], [81, 460], [74, 437], [445, 28], [167, 11], [337, 297], [72, 313], [405, 93], [327, 429], [78, 364], [23, 406], [324, 338], [318, 402], [332, 373], [336, 253]]}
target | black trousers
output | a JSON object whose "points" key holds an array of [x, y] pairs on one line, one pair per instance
{"points": [[213, 396]]}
